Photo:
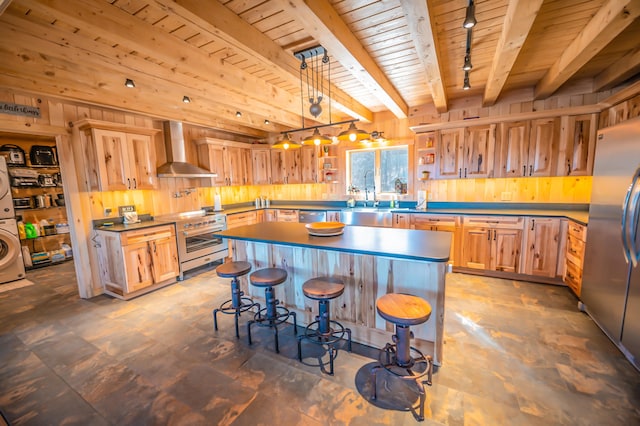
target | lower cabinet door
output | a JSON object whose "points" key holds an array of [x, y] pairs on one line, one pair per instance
{"points": [[476, 248], [137, 263], [164, 258], [506, 249]]}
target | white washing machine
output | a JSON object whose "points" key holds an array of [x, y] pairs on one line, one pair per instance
{"points": [[6, 200], [11, 264]]}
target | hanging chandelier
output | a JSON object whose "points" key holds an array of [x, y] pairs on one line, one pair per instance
{"points": [[314, 62]]}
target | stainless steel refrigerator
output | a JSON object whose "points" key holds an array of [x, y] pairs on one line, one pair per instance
{"points": [[611, 274]]}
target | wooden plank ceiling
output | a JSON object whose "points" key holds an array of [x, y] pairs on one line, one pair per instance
{"points": [[232, 56]]}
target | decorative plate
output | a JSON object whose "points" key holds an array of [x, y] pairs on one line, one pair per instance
{"points": [[325, 229]]}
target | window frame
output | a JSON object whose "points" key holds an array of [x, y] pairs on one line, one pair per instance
{"points": [[377, 165]]}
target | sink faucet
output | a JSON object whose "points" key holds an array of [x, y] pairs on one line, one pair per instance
{"points": [[366, 189]]}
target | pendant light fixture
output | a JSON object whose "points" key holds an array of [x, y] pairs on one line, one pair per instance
{"points": [[469, 23], [313, 63]]}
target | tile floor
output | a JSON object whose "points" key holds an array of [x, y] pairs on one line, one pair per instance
{"points": [[515, 353]]}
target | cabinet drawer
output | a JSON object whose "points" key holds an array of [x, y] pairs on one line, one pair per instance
{"points": [[573, 277], [287, 215], [147, 234], [421, 220], [507, 222], [575, 249], [578, 231], [241, 219]]}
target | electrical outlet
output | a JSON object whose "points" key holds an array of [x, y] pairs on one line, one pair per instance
{"points": [[505, 196], [107, 211]]}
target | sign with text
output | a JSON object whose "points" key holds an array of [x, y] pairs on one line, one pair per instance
{"points": [[17, 109]]}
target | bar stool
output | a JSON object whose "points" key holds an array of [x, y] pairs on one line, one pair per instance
{"points": [[273, 314], [400, 358], [237, 304], [324, 289]]}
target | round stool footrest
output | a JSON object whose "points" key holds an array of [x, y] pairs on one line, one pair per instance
{"points": [[227, 306], [333, 336], [264, 321], [419, 366]]}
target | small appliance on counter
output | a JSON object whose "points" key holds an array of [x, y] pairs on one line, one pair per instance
{"points": [[42, 155], [130, 217]]}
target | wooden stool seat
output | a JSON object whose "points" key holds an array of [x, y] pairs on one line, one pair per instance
{"points": [[403, 309], [233, 269], [323, 288], [268, 277]]}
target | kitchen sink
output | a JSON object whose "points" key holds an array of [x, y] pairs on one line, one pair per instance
{"points": [[367, 216]]}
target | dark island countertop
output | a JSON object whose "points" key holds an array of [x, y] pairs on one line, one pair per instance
{"points": [[428, 246]]}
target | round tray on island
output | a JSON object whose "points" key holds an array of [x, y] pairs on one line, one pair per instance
{"points": [[325, 229]]}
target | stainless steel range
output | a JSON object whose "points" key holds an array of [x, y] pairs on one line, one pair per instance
{"points": [[198, 242]]}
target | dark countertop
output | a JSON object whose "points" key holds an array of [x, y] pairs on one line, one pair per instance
{"points": [[121, 227], [501, 209], [389, 242]]}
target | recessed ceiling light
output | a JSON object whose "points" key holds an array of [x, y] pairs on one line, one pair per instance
{"points": [[238, 114], [267, 121], [186, 99], [129, 83]]}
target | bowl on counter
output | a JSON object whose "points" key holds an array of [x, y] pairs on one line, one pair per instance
{"points": [[325, 229]]}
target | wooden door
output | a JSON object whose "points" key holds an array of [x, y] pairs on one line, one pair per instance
{"points": [[234, 165], [512, 149], [247, 167], [476, 248], [164, 258], [580, 146], [454, 246], [261, 166], [293, 166], [543, 147], [479, 151], [278, 166], [400, 220], [142, 161], [211, 157], [309, 164], [137, 265], [506, 246], [449, 153], [541, 246], [111, 158]]}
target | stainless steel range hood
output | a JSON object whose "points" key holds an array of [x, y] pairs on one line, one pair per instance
{"points": [[176, 165]]}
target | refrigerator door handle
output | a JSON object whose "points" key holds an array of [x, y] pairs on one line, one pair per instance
{"points": [[628, 230], [633, 223]]}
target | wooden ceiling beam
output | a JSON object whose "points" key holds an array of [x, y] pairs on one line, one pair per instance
{"points": [[114, 24], [423, 35], [220, 21], [320, 19], [3, 5], [619, 71], [517, 23], [610, 20]]}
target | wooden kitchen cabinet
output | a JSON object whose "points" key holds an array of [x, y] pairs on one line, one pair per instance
{"points": [[448, 153], [445, 223], [309, 164], [287, 215], [528, 148], [285, 166], [261, 165], [577, 154], [466, 152], [241, 219], [333, 215], [574, 256], [492, 243], [136, 262], [229, 160], [118, 157], [541, 246], [401, 220]]}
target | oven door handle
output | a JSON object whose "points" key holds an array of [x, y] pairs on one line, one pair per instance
{"points": [[200, 231]]}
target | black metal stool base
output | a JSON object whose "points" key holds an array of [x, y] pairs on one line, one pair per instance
{"points": [[417, 367], [329, 339], [228, 309], [281, 315]]}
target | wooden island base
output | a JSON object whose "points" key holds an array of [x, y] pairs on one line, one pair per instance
{"points": [[366, 277]]}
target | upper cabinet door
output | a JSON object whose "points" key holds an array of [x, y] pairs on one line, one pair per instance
{"points": [[234, 166], [309, 164], [479, 151], [580, 146], [211, 157], [261, 166], [293, 166], [513, 149], [543, 147], [142, 161], [449, 153], [278, 166], [111, 160]]}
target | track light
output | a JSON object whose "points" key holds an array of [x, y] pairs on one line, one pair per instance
{"points": [[129, 83], [467, 63], [186, 99], [470, 18], [466, 85]]}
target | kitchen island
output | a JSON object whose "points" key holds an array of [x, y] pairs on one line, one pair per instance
{"points": [[371, 262]]}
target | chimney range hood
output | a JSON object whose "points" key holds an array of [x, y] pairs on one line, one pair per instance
{"points": [[176, 165]]}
